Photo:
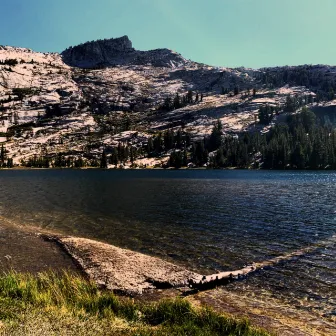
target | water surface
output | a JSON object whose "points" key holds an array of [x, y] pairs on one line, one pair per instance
{"points": [[205, 220]]}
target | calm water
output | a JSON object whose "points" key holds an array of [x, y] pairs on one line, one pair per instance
{"points": [[205, 220]]}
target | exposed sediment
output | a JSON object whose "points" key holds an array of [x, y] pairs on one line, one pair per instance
{"points": [[21, 250], [131, 272], [123, 270]]}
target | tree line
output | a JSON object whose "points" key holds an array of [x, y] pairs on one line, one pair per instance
{"points": [[302, 142], [306, 75]]}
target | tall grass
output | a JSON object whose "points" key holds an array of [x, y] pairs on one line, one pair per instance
{"points": [[70, 294]]}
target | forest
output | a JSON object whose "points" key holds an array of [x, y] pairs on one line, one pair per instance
{"points": [[302, 142]]}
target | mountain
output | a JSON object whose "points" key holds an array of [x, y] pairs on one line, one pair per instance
{"points": [[119, 51], [105, 96]]}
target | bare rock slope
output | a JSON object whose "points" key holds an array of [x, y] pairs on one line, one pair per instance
{"points": [[100, 94]]}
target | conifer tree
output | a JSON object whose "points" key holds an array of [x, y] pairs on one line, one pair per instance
{"points": [[177, 101], [103, 160], [215, 139], [189, 97]]}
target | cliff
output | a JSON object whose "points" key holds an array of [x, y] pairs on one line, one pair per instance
{"points": [[118, 51]]}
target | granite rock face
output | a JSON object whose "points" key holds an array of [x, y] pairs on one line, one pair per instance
{"points": [[98, 53], [80, 111], [119, 51]]}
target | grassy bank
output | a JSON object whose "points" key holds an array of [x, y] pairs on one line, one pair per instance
{"points": [[50, 304]]}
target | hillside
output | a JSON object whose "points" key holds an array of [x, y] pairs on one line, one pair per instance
{"points": [[103, 103]]}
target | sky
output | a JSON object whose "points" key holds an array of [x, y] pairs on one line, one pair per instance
{"points": [[250, 33]]}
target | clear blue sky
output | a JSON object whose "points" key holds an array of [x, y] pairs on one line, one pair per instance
{"points": [[252, 33]]}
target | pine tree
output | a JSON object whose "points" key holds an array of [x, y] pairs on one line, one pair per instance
{"points": [[103, 160], [114, 157], [215, 139], [2, 154], [150, 146], [190, 97], [176, 159], [219, 158], [157, 143], [168, 139], [185, 158], [132, 154], [197, 97], [177, 102], [168, 104], [199, 154], [10, 163], [178, 139]]}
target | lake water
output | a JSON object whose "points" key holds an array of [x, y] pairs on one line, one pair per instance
{"points": [[205, 220]]}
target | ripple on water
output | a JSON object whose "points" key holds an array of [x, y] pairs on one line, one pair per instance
{"points": [[206, 220]]}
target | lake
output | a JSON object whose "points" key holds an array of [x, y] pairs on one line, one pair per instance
{"points": [[205, 220]]}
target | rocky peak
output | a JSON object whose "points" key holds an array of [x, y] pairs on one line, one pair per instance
{"points": [[97, 53], [118, 51]]}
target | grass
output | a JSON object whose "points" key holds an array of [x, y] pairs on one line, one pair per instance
{"points": [[53, 304]]}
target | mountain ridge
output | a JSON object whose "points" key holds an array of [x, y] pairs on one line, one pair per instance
{"points": [[118, 51], [50, 107], [241, 68]]}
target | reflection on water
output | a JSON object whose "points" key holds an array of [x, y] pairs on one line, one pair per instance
{"points": [[206, 220]]}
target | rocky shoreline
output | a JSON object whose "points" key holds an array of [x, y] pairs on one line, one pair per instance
{"points": [[149, 278], [132, 273], [123, 271]]}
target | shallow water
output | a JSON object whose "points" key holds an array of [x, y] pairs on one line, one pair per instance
{"points": [[205, 220]]}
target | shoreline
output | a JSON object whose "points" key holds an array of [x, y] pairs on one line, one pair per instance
{"points": [[166, 169], [22, 250], [98, 261], [117, 269], [121, 270], [171, 281]]}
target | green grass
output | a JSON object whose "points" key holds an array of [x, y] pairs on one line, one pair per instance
{"points": [[53, 304]]}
